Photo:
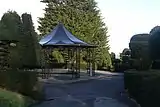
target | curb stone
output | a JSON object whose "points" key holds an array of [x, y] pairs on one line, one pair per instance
{"points": [[110, 102], [133, 100], [138, 105], [84, 80], [74, 81]]}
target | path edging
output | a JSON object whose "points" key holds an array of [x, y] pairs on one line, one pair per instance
{"points": [[74, 81]]}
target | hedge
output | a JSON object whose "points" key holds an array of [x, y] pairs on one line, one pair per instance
{"points": [[12, 99], [144, 87], [20, 81]]}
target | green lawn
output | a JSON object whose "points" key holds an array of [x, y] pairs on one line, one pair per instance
{"points": [[12, 99]]}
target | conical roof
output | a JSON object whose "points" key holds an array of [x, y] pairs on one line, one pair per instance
{"points": [[60, 36]]}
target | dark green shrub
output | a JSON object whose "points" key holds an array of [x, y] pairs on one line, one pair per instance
{"points": [[12, 99], [144, 87], [56, 65], [83, 65], [19, 81]]}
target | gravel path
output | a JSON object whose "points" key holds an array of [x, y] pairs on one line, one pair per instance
{"points": [[104, 92]]}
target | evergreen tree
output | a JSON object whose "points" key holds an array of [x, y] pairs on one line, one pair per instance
{"points": [[11, 29], [83, 19], [11, 26], [30, 41]]}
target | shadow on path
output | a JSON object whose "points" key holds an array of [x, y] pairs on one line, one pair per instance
{"points": [[88, 94]]}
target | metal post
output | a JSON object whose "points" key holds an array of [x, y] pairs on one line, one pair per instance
{"points": [[87, 60], [50, 68], [93, 61], [68, 64], [77, 62], [72, 62], [90, 62], [44, 63]]}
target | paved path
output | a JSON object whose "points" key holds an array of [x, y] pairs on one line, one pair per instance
{"points": [[102, 92]]}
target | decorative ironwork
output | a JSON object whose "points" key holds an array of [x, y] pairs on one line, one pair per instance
{"points": [[63, 40]]}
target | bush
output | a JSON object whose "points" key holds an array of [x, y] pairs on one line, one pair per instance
{"points": [[56, 65], [83, 65], [144, 87], [19, 81], [11, 99], [145, 64]]}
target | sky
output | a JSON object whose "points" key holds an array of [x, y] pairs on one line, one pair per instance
{"points": [[124, 18]]}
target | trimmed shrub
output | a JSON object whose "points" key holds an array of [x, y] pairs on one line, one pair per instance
{"points": [[144, 87], [19, 81], [11, 99]]}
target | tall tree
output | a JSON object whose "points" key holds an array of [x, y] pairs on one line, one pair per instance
{"points": [[140, 51], [154, 44], [11, 29], [83, 19], [11, 26], [113, 57], [30, 41]]}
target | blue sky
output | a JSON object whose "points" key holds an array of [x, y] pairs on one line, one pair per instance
{"points": [[124, 18]]}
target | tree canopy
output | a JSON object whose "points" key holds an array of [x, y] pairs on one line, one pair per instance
{"points": [[10, 26], [13, 27], [154, 43], [83, 19], [29, 40]]}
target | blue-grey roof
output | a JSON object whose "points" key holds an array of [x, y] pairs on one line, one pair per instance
{"points": [[61, 36]]}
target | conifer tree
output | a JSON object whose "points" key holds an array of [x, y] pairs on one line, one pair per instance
{"points": [[83, 19]]}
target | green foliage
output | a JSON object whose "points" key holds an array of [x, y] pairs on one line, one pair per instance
{"points": [[19, 81], [83, 65], [57, 55], [11, 99], [140, 53], [154, 43], [126, 51], [15, 57], [144, 87], [4, 55], [83, 19], [125, 59], [11, 29], [113, 57], [11, 26], [117, 65], [29, 40]]}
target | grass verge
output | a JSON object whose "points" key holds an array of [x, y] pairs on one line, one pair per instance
{"points": [[12, 99]]}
